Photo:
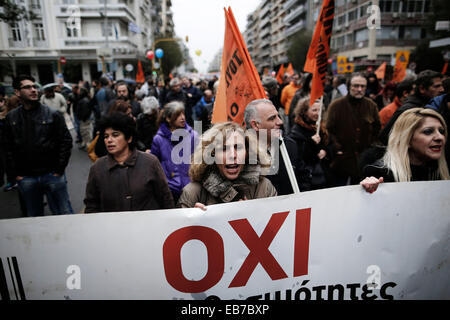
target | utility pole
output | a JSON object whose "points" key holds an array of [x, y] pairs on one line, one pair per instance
{"points": [[106, 34]]}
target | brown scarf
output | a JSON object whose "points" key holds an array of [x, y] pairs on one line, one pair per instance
{"points": [[313, 127]]}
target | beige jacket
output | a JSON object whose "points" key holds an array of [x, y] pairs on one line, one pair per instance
{"points": [[214, 189]]}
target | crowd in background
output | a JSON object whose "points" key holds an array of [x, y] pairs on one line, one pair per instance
{"points": [[129, 131]]}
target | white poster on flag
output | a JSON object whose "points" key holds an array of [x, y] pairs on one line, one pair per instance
{"points": [[340, 243]]}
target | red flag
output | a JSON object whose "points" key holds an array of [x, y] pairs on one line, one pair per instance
{"points": [[140, 73], [444, 70], [280, 74], [239, 81], [319, 50]]}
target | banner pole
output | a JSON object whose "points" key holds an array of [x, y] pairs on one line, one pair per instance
{"points": [[288, 165], [320, 115]]}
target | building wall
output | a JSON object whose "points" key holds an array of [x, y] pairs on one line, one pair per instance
{"points": [[81, 51]]}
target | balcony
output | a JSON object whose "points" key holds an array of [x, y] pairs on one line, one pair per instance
{"points": [[90, 43], [288, 4], [294, 14], [120, 11], [265, 11], [264, 32], [294, 28], [40, 43], [18, 44]]}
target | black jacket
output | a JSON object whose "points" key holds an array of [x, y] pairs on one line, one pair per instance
{"points": [[303, 153], [37, 142], [427, 172]]}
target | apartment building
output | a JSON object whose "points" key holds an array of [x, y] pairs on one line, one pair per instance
{"points": [[402, 26], [75, 30], [270, 26]]}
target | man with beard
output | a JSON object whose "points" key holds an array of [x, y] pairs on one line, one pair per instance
{"points": [[353, 125], [124, 94], [38, 146]]}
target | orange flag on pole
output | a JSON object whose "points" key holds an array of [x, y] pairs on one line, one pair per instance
{"points": [[401, 62], [381, 71], [239, 81], [280, 74], [140, 73], [290, 70], [319, 50]]}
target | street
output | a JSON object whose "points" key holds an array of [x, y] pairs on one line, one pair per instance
{"points": [[77, 173]]}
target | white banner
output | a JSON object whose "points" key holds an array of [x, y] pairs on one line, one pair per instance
{"points": [[340, 243]]}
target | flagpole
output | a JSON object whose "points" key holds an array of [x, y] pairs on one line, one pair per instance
{"points": [[288, 165], [320, 115]]}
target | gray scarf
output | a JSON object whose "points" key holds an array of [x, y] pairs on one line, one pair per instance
{"points": [[220, 187]]}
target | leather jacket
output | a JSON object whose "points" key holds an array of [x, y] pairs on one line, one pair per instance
{"points": [[37, 142]]}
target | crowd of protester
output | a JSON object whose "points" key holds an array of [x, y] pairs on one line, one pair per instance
{"points": [[143, 142]]}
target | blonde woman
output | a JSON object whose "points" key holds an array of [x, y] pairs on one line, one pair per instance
{"points": [[226, 168], [415, 151]]}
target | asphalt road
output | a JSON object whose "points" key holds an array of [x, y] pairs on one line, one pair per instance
{"points": [[76, 172]]}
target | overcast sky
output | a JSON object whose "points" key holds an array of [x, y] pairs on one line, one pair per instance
{"points": [[204, 22]]}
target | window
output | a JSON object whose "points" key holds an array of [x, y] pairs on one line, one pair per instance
{"points": [[39, 31], [15, 32], [419, 6], [411, 6], [362, 35], [110, 29], [395, 6], [426, 7], [72, 31]]}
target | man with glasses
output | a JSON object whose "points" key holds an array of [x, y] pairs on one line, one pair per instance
{"points": [[38, 146], [353, 124]]}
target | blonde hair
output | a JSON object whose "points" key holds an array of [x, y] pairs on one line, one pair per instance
{"points": [[396, 157], [209, 141]]}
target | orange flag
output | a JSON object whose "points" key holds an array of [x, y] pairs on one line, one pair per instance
{"points": [[140, 73], [290, 70], [401, 62], [239, 81], [280, 74], [319, 50], [381, 71]]}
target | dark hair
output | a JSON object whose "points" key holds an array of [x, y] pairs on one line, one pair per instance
{"points": [[120, 122], [406, 85], [18, 80], [446, 85], [425, 79], [120, 105]]}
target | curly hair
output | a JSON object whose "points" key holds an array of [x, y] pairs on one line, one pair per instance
{"points": [[215, 138]]}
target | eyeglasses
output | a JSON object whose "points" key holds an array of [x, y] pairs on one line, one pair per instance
{"points": [[28, 87]]}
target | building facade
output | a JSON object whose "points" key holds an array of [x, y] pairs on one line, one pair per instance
{"points": [[270, 26], [402, 25], [364, 40], [70, 37]]}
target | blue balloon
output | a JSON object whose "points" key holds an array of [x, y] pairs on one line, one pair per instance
{"points": [[159, 53]]}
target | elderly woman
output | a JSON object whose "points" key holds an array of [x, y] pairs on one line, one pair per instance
{"points": [[126, 179], [174, 149], [226, 168], [147, 121], [415, 151]]}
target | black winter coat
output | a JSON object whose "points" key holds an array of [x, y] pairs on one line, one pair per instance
{"points": [[37, 142], [303, 153]]}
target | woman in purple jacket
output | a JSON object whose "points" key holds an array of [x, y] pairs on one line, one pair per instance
{"points": [[173, 145]]}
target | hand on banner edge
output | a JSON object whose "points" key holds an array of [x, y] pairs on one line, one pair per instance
{"points": [[370, 184]]}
